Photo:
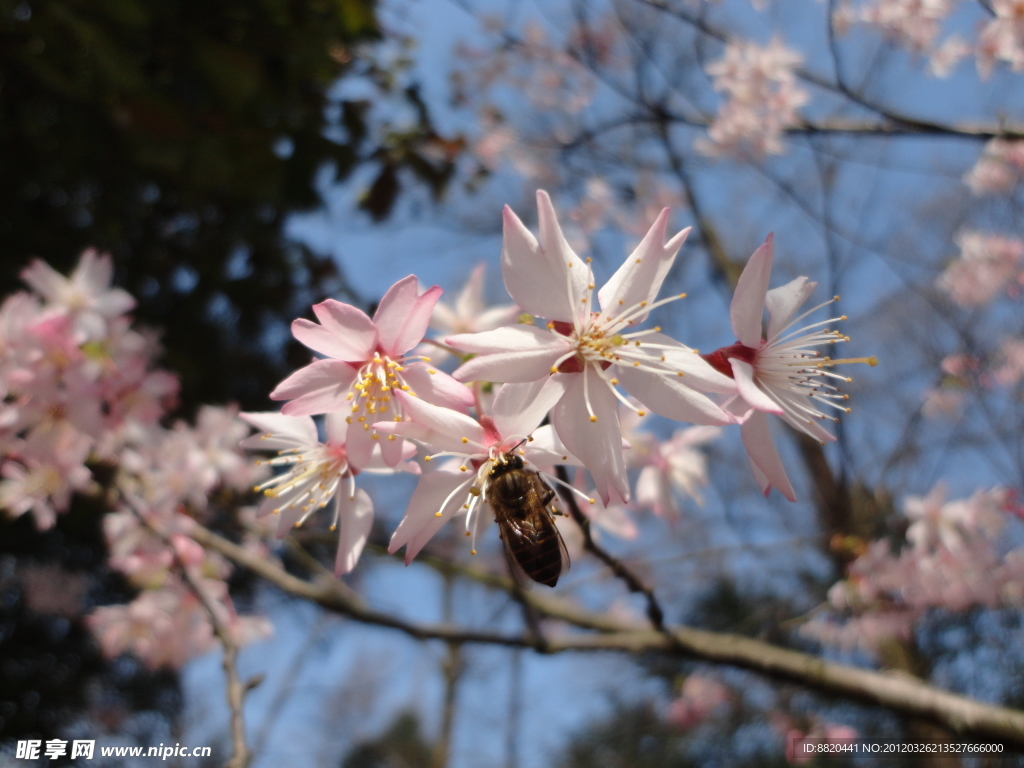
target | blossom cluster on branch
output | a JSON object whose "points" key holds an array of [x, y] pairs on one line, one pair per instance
{"points": [[80, 391], [956, 556], [576, 359]]}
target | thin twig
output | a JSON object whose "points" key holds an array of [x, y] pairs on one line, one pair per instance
{"points": [[621, 571]]}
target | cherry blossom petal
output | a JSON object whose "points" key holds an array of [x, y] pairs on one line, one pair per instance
{"points": [[515, 353], [113, 302], [286, 431], [393, 451], [359, 444], [757, 439], [336, 426], [470, 302], [747, 308], [447, 427], [538, 278], [404, 314], [670, 397], [519, 408], [547, 450], [355, 521], [642, 273], [344, 333], [438, 388], [421, 520], [783, 302], [598, 444], [320, 387], [743, 373], [45, 279], [697, 371]]}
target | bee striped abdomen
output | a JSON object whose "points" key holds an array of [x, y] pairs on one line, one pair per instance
{"points": [[520, 497]]}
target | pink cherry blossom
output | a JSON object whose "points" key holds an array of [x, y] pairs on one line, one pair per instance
{"points": [[671, 467], [43, 474], [1002, 38], [700, 698], [585, 353], [999, 169], [988, 266], [468, 313], [781, 373], [956, 558], [318, 472], [761, 99], [366, 363], [86, 296], [473, 447], [1010, 371]]}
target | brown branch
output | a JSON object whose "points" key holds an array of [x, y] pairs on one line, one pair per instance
{"points": [[898, 692]]}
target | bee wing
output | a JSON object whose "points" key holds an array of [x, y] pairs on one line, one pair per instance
{"points": [[509, 528]]}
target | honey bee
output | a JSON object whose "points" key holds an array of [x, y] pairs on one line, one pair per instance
{"points": [[520, 497]]}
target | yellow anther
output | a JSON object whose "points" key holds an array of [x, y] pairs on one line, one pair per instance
{"points": [[836, 297], [425, 458], [636, 364], [465, 440], [641, 413], [472, 551], [462, 468], [639, 261], [588, 260], [405, 387], [375, 436], [554, 369], [391, 437], [437, 514], [643, 303], [679, 373], [277, 511], [592, 501], [333, 526], [657, 328], [468, 533], [593, 418], [362, 419], [614, 382], [431, 371], [590, 286]]}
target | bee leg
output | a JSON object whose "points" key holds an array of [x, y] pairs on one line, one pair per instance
{"points": [[548, 496]]}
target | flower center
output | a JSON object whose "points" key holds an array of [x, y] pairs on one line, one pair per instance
{"points": [[719, 359]]}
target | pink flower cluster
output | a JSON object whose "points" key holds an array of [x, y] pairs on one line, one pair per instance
{"points": [[999, 169], [760, 99], [80, 389], [988, 266], [917, 26], [954, 559], [574, 350]]}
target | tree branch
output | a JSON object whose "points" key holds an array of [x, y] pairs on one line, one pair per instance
{"points": [[898, 692]]}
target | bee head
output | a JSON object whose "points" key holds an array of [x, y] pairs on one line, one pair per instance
{"points": [[506, 462]]}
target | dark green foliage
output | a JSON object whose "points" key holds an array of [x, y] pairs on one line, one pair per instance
{"points": [[179, 136], [401, 745], [633, 736]]}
